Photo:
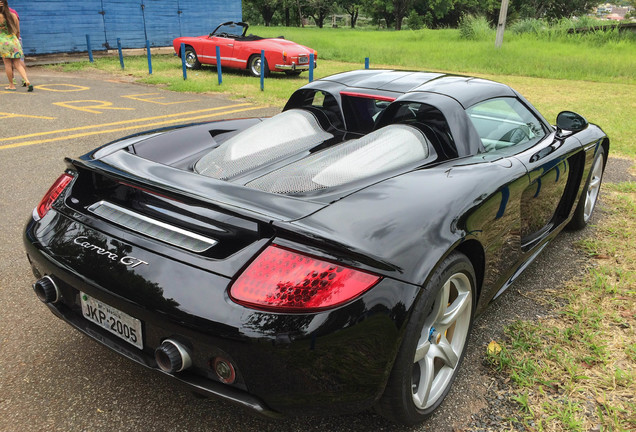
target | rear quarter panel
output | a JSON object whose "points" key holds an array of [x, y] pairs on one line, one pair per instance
{"points": [[245, 50], [407, 224]]}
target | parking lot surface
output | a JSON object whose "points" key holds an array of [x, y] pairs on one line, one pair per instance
{"points": [[54, 379]]}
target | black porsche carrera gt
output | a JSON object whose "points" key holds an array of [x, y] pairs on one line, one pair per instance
{"points": [[328, 259]]}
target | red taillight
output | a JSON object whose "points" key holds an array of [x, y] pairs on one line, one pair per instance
{"points": [[54, 192], [282, 280]]}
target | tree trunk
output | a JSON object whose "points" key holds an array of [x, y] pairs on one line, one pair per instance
{"points": [[354, 17], [300, 14], [267, 14], [388, 18]]}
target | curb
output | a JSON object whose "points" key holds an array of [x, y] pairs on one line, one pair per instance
{"points": [[57, 58]]}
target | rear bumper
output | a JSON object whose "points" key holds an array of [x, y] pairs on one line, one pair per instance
{"points": [[295, 67], [193, 381], [331, 362]]}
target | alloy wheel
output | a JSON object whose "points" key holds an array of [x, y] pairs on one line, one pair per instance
{"points": [[442, 341], [593, 188]]}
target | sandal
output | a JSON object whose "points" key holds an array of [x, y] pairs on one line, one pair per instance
{"points": [[9, 89]]}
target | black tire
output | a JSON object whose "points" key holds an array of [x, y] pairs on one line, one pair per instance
{"points": [[414, 391], [191, 59], [589, 196], [292, 72], [254, 66]]}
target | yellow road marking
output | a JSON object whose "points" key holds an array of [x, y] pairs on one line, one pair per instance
{"points": [[51, 88], [122, 122], [27, 143], [154, 100], [4, 115], [103, 105]]}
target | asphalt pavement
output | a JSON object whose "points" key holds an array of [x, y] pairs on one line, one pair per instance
{"points": [[54, 379]]}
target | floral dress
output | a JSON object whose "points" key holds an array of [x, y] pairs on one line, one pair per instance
{"points": [[9, 44]]}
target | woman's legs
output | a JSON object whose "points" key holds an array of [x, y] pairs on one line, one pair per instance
{"points": [[17, 64], [8, 69]]}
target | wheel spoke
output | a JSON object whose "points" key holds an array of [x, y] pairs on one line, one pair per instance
{"points": [[594, 183], [441, 302], [421, 350], [593, 188], [589, 203], [445, 351], [427, 376], [454, 311]]}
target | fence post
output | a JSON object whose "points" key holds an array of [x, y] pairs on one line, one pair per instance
{"points": [[183, 62], [311, 67], [121, 54], [366, 62], [88, 47], [149, 59], [262, 70], [218, 64]]}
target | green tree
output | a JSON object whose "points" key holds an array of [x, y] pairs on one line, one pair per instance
{"points": [[318, 10], [447, 13], [440, 8], [552, 9], [352, 7], [400, 9], [414, 20], [380, 10], [266, 8]]}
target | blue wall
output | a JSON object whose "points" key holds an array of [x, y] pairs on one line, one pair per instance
{"points": [[52, 26]]}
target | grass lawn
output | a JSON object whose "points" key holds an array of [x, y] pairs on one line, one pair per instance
{"points": [[526, 55]]}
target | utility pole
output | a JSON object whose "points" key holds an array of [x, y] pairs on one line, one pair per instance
{"points": [[503, 13]]}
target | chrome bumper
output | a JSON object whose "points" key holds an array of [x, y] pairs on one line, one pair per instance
{"points": [[294, 66]]}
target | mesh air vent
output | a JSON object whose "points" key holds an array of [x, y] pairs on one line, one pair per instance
{"points": [[282, 135], [386, 149]]}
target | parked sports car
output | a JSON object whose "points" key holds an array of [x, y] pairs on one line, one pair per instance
{"points": [[241, 51], [328, 259]]}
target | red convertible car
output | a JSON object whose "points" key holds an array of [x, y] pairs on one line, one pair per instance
{"points": [[244, 52]]}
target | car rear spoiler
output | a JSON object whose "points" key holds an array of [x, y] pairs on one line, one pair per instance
{"points": [[241, 200]]}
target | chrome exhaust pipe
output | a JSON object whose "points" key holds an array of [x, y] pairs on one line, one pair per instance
{"points": [[171, 356], [46, 290]]}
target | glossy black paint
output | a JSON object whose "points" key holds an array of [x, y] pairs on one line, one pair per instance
{"points": [[500, 209], [297, 354]]}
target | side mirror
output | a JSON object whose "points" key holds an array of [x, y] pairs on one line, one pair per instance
{"points": [[569, 122]]}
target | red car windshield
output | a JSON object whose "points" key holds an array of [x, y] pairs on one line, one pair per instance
{"points": [[232, 30]]}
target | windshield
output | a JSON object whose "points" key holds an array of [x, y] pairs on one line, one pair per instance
{"points": [[232, 30]]}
